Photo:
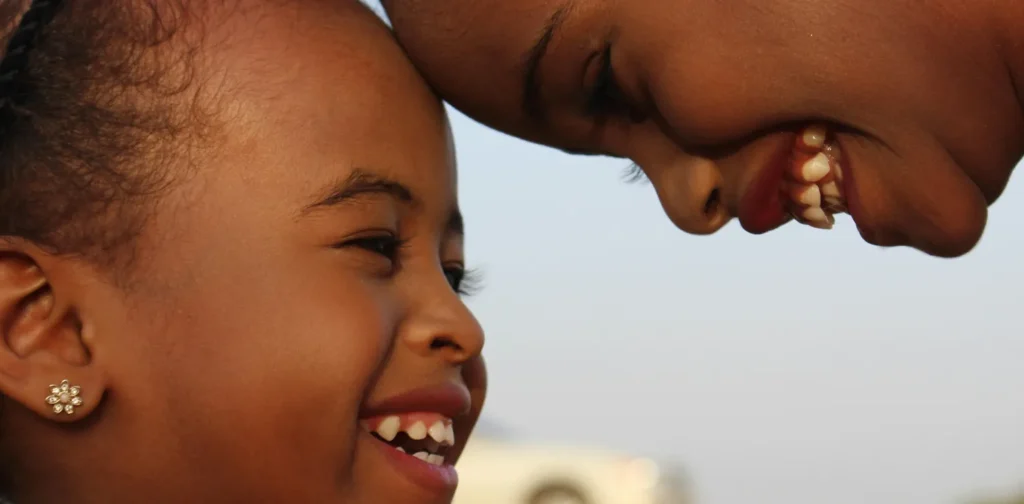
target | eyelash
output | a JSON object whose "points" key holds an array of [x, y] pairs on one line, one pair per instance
{"points": [[462, 281], [633, 174]]}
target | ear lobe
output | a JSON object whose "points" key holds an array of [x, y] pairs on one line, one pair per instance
{"points": [[41, 342]]}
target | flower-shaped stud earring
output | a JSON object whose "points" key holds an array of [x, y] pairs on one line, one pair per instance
{"points": [[64, 398]]}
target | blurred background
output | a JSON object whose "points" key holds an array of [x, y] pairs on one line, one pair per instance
{"points": [[799, 367]]}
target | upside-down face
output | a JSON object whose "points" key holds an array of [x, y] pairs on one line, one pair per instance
{"points": [[922, 121]]}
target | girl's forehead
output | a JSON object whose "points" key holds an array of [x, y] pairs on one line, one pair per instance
{"points": [[317, 93]]}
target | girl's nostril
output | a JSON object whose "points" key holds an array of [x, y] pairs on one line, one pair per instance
{"points": [[712, 204], [442, 342]]}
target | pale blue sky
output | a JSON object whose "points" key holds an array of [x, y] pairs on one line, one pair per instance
{"points": [[799, 367]]}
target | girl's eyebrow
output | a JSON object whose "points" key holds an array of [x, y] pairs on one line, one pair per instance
{"points": [[362, 183], [359, 183], [533, 104]]}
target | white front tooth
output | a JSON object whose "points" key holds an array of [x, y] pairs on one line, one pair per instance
{"points": [[400, 449], [810, 196], [418, 431], [388, 429], [421, 455], [815, 168], [435, 459], [815, 214], [814, 136], [830, 190], [437, 431], [449, 435], [833, 201], [816, 217]]}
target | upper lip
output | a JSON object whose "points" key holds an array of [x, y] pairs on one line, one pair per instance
{"points": [[755, 210], [449, 399]]}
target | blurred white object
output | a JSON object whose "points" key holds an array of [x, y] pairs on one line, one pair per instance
{"points": [[493, 471]]}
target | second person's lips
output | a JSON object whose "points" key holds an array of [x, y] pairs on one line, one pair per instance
{"points": [[803, 179]]}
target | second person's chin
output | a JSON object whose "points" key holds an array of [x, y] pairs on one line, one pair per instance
{"points": [[910, 192], [951, 229], [952, 237]]}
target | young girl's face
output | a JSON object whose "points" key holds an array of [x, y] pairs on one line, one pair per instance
{"points": [[298, 289], [707, 98]]}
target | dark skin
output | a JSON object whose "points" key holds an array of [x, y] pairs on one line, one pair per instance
{"points": [[269, 299], [923, 97]]}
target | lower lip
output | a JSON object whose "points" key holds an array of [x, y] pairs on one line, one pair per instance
{"points": [[761, 209], [442, 479]]}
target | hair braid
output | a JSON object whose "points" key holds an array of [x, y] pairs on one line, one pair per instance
{"points": [[20, 45]]}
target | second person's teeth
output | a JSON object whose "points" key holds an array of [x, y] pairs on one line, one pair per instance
{"points": [[812, 186], [833, 202], [814, 136], [808, 195], [816, 168], [830, 190], [815, 214], [817, 217]]}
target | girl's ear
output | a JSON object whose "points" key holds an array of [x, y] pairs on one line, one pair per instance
{"points": [[45, 362]]}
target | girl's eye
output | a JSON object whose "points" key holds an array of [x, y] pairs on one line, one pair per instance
{"points": [[386, 246], [463, 282]]}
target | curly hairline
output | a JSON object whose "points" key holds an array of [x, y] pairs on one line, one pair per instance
{"points": [[112, 103]]}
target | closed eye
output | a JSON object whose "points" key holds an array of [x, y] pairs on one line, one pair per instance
{"points": [[604, 97]]}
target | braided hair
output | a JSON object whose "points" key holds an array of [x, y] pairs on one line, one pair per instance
{"points": [[97, 98], [19, 48]]}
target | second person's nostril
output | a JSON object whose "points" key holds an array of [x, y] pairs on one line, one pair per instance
{"points": [[693, 193], [712, 204]]}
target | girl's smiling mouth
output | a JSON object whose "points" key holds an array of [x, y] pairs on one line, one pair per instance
{"points": [[425, 436], [420, 433]]}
